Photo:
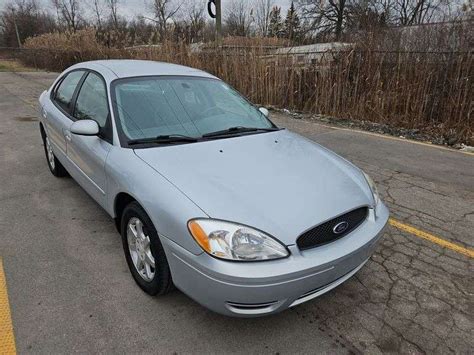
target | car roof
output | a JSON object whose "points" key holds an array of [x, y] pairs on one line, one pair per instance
{"points": [[125, 68]]}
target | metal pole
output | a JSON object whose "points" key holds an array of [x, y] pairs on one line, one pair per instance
{"points": [[16, 29], [218, 21]]}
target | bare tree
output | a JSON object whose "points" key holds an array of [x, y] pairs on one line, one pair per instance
{"points": [[164, 11], [23, 19], [196, 19], [238, 18], [411, 12], [190, 23], [262, 15], [98, 9], [326, 16], [386, 8], [113, 8], [68, 13], [369, 14], [332, 16]]}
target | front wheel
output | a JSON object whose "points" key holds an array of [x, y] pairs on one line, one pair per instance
{"points": [[144, 253]]}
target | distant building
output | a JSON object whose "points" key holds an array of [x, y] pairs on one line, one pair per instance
{"points": [[311, 54]]}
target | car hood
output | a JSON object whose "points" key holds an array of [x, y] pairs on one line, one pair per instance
{"points": [[278, 182]]}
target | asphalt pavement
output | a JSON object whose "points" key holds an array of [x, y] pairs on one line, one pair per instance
{"points": [[70, 290]]}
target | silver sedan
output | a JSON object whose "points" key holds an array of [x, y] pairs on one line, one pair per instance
{"points": [[208, 194]]}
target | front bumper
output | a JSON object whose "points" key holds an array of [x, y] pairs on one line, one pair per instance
{"points": [[250, 289]]}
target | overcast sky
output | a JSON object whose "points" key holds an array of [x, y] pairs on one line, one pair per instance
{"points": [[131, 8]]}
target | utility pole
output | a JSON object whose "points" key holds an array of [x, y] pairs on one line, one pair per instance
{"points": [[218, 16], [218, 22], [16, 28]]}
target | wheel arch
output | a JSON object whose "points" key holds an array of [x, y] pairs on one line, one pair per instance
{"points": [[42, 130], [122, 200]]}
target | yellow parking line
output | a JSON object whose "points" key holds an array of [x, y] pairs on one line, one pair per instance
{"points": [[7, 339], [432, 238]]}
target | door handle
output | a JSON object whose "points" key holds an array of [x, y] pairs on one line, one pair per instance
{"points": [[43, 112], [67, 135]]}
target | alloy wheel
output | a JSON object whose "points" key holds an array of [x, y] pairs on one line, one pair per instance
{"points": [[50, 154], [140, 249]]}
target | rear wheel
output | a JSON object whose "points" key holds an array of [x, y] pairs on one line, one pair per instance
{"points": [[144, 253], [55, 166]]}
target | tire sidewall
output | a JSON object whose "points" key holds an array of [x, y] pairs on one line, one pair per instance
{"points": [[162, 278]]}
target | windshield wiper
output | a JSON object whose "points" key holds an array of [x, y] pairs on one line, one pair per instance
{"points": [[237, 130], [164, 139]]}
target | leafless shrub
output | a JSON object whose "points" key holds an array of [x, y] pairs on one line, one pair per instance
{"points": [[429, 91]]}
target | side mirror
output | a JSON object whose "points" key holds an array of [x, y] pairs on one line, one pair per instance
{"points": [[264, 111], [85, 128]]}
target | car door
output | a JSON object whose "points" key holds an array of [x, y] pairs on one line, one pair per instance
{"points": [[89, 153], [57, 113]]}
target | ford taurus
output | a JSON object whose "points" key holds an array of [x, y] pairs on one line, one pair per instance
{"points": [[208, 194]]}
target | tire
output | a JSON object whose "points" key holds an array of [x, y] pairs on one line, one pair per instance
{"points": [[54, 165], [161, 282]]}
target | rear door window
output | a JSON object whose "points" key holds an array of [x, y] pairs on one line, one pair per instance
{"points": [[65, 91]]}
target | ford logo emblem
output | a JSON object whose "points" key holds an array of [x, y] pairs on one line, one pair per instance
{"points": [[341, 227]]}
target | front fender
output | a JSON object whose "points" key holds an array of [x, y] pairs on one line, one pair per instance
{"points": [[167, 207]]}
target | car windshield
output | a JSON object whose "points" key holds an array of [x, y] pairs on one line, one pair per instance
{"points": [[186, 106]]}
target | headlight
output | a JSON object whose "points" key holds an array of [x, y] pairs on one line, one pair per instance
{"points": [[232, 241], [373, 188]]}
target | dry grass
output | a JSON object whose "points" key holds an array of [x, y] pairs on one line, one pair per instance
{"points": [[431, 92], [13, 65]]}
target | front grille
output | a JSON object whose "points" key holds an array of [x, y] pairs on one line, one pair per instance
{"points": [[325, 233]]}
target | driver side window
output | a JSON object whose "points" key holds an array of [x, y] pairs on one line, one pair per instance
{"points": [[91, 101], [91, 104]]}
